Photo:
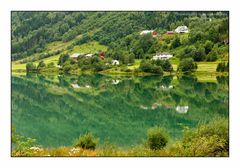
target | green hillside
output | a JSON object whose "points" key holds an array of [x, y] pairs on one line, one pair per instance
{"points": [[45, 36]]}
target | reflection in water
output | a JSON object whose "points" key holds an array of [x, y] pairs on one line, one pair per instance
{"points": [[57, 109], [115, 82], [182, 109]]}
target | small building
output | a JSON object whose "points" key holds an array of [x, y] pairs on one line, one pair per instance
{"points": [[162, 56], [182, 29], [115, 62], [102, 55], [152, 32], [146, 32], [75, 56], [170, 32], [88, 55]]}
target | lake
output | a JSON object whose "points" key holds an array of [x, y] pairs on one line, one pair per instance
{"points": [[119, 110]]}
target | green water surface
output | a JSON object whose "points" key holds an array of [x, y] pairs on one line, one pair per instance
{"points": [[55, 110]]}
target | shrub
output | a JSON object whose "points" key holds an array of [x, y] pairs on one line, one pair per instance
{"points": [[21, 145], [67, 67], [157, 138], [148, 66], [63, 58], [207, 140], [86, 141], [41, 65], [30, 67], [51, 65], [167, 66], [145, 66], [222, 67], [213, 55], [156, 69], [187, 65]]}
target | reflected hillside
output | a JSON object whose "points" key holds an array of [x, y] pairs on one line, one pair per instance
{"points": [[57, 109]]}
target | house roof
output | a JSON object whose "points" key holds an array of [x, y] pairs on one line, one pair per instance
{"points": [[89, 55], [169, 32], [181, 28]]}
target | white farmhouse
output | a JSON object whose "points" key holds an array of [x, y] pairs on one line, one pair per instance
{"points": [[162, 56], [182, 29], [88, 55], [115, 62], [75, 55], [146, 32]]}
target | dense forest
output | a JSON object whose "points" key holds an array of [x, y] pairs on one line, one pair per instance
{"points": [[120, 33]]}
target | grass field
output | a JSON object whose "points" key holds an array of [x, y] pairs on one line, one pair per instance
{"points": [[91, 47]]}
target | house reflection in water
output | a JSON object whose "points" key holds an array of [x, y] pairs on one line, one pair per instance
{"points": [[115, 82], [182, 109], [75, 85]]}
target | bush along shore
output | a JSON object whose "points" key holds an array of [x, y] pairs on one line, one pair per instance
{"points": [[211, 139]]}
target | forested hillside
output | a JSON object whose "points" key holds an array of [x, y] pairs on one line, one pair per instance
{"points": [[40, 35]]}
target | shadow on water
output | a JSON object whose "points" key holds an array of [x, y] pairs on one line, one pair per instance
{"points": [[57, 109]]}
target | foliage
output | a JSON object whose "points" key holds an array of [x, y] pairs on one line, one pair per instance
{"points": [[67, 67], [157, 138], [41, 65], [208, 46], [165, 64], [30, 67], [148, 66], [176, 42], [50, 65], [32, 31], [207, 140], [21, 145], [213, 55], [199, 54], [222, 67], [187, 65], [63, 58], [87, 141]]}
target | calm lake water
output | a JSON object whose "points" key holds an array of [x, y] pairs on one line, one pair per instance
{"points": [[55, 110]]}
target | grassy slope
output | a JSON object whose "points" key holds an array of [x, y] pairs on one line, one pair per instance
{"points": [[90, 47]]}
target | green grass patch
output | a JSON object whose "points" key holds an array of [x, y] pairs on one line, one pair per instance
{"points": [[91, 47]]}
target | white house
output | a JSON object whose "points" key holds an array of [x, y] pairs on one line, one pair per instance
{"points": [[182, 29], [115, 62], [88, 55], [146, 32], [75, 55], [162, 56]]}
